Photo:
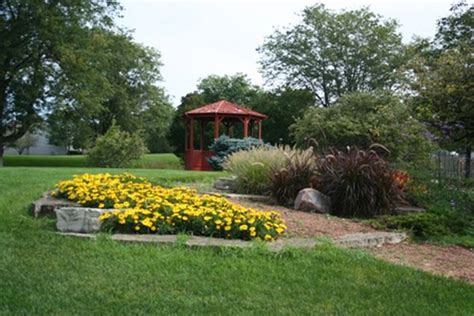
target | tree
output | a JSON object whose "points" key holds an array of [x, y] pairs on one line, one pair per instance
{"points": [[25, 142], [133, 100], [443, 86], [283, 106], [362, 119], [47, 56], [332, 54]]}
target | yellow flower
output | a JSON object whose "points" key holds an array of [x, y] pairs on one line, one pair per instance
{"points": [[268, 237], [243, 227], [227, 228]]}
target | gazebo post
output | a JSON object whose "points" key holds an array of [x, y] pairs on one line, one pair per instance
{"points": [[246, 126], [191, 134], [259, 129]]}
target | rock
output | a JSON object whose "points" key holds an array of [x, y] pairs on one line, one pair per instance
{"points": [[312, 200], [78, 219], [375, 239], [227, 184], [47, 205], [403, 210]]}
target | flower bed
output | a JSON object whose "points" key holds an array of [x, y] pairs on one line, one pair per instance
{"points": [[141, 207]]}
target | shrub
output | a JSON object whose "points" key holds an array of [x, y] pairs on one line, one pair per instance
{"points": [[116, 149], [359, 183], [144, 208], [361, 119], [224, 146], [253, 168], [298, 172]]}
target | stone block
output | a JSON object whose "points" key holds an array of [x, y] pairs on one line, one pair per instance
{"points": [[78, 219]]}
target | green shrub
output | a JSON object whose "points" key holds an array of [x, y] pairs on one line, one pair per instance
{"points": [[223, 146], [298, 172], [359, 183], [116, 149], [361, 119], [253, 168]]}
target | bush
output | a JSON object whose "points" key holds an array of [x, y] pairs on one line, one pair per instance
{"points": [[298, 172], [253, 168], [224, 146], [359, 183], [116, 149], [361, 119], [141, 207]]}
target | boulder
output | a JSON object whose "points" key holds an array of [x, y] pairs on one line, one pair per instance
{"points": [[312, 200], [47, 205], [227, 184], [78, 219]]}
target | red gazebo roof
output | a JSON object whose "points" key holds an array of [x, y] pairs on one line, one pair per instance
{"points": [[224, 107]]}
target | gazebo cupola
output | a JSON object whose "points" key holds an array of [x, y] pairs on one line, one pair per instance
{"points": [[220, 114]]}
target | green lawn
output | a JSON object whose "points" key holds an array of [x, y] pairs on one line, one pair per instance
{"points": [[43, 273], [150, 161]]}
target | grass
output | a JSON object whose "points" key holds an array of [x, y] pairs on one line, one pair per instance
{"points": [[43, 273], [150, 161]]}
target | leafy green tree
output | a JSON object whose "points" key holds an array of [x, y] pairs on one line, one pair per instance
{"points": [[47, 57], [133, 100], [25, 142], [283, 107], [332, 54], [362, 119], [444, 91]]}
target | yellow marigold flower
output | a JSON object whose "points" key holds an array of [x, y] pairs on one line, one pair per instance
{"points": [[137, 227], [227, 228], [268, 237], [243, 227]]}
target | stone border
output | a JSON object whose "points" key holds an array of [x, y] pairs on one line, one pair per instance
{"points": [[359, 240]]}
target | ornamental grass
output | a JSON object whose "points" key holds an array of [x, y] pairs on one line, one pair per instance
{"points": [[138, 206]]}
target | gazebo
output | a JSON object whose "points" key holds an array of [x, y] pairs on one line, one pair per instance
{"points": [[222, 112]]}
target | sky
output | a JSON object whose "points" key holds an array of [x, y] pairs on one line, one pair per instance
{"points": [[197, 38]]}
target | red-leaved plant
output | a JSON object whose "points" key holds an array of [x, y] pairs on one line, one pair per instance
{"points": [[359, 183]]}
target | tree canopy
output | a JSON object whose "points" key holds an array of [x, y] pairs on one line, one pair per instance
{"points": [[443, 86], [362, 119], [68, 61], [333, 53]]}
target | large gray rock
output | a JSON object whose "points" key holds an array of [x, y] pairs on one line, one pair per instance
{"points": [[227, 184], [311, 200], [47, 205], [78, 219]]}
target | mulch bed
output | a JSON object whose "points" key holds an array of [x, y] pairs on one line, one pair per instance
{"points": [[451, 261]]}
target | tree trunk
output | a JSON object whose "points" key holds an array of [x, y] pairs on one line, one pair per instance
{"points": [[1, 155], [467, 162]]}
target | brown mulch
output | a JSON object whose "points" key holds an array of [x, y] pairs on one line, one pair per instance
{"points": [[304, 224], [451, 261]]}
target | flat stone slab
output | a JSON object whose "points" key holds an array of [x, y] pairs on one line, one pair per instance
{"points": [[365, 240], [247, 197], [351, 241], [47, 205], [403, 210]]}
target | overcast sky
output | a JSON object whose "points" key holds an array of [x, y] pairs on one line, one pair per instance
{"points": [[201, 37]]}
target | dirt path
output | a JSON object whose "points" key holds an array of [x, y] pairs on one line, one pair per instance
{"points": [[451, 261]]}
